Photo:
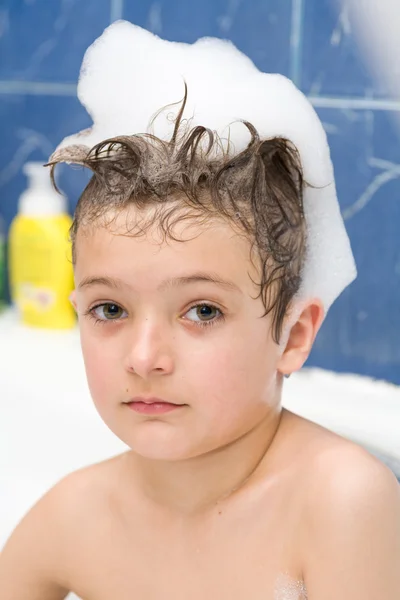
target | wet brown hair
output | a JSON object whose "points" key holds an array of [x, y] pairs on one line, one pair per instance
{"points": [[258, 190]]}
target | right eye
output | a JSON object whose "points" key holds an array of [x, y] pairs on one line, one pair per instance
{"points": [[108, 312]]}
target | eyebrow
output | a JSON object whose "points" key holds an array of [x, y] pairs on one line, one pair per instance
{"points": [[171, 282]]}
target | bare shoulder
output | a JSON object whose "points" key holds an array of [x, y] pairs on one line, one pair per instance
{"points": [[34, 561], [76, 492], [96, 478], [322, 449], [349, 542], [356, 486], [336, 473], [344, 467], [349, 533], [84, 496], [71, 495]]}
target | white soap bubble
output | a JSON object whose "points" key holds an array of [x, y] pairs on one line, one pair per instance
{"points": [[128, 74]]}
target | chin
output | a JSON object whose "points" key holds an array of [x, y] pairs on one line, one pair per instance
{"points": [[161, 452], [153, 440]]}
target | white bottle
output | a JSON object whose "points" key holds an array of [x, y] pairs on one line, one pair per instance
{"points": [[40, 198]]}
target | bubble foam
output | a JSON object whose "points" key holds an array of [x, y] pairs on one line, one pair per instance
{"points": [[128, 74]]}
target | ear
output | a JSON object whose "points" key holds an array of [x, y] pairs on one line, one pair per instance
{"points": [[72, 299], [301, 337]]}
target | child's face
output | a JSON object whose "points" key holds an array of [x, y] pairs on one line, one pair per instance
{"points": [[150, 339]]}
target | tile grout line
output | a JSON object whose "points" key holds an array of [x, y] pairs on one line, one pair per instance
{"points": [[42, 88], [38, 88], [354, 103], [116, 10], [296, 41]]}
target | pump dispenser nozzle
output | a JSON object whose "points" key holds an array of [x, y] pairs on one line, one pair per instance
{"points": [[40, 198]]}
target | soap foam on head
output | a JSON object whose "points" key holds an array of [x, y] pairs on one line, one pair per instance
{"points": [[128, 74]]}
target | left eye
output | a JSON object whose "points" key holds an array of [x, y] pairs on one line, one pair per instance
{"points": [[205, 313], [109, 312]]}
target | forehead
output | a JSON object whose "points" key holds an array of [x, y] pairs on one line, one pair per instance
{"points": [[209, 245]]}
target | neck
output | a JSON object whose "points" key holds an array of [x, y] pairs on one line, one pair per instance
{"points": [[192, 487]]}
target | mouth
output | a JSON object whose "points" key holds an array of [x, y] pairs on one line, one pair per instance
{"points": [[152, 406], [152, 400]]}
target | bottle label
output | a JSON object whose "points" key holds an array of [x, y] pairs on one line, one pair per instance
{"points": [[35, 298]]}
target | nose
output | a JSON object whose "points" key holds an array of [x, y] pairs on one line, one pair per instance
{"points": [[149, 352]]}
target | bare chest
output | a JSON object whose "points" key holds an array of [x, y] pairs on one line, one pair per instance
{"points": [[239, 556]]}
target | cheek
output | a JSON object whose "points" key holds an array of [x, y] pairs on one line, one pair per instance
{"points": [[236, 368], [99, 366]]}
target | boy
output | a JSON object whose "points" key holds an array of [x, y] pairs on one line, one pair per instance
{"points": [[188, 264], [224, 493]]}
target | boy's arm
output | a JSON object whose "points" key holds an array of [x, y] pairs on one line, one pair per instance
{"points": [[354, 534], [31, 561]]}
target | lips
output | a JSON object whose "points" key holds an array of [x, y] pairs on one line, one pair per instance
{"points": [[152, 400], [152, 406]]}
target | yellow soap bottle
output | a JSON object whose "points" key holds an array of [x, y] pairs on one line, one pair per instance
{"points": [[41, 274]]}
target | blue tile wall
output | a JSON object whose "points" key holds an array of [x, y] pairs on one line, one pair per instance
{"points": [[45, 40], [41, 48], [331, 60], [259, 28], [32, 125], [361, 332]]}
